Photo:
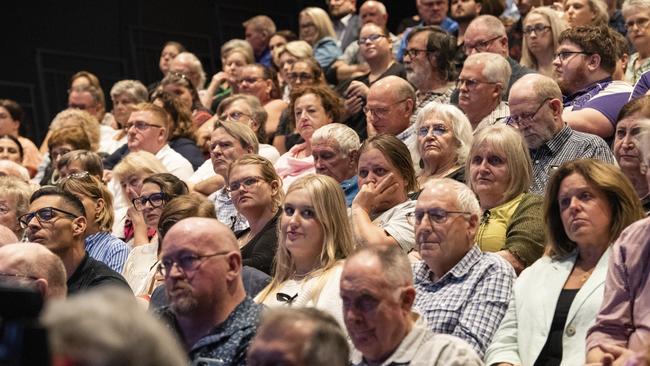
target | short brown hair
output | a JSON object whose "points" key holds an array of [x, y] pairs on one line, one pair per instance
{"points": [[181, 207], [73, 136], [640, 106], [331, 102], [396, 153], [595, 40]]}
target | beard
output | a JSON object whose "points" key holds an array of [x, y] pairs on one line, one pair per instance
{"points": [[575, 82], [466, 18], [181, 300]]}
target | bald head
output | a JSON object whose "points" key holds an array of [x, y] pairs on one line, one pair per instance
{"points": [[38, 265], [373, 12], [396, 95], [7, 236], [486, 33], [211, 233]]}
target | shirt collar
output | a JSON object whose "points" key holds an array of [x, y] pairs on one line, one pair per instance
{"points": [[459, 270], [586, 90], [555, 144]]}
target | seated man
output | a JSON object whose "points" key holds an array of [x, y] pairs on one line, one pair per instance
{"points": [[209, 309], [56, 220], [335, 150], [299, 336], [377, 292], [34, 266], [481, 85], [460, 290], [584, 64], [259, 30]]}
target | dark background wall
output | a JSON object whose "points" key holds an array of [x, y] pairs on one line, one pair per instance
{"points": [[45, 42]]}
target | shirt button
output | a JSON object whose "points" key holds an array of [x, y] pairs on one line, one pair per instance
{"points": [[536, 161], [570, 330]]}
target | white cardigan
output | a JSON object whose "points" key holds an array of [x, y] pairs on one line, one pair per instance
{"points": [[527, 323]]}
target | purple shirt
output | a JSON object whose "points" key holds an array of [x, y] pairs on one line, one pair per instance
{"points": [[605, 96], [624, 318]]}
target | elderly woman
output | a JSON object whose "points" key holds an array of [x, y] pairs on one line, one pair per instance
{"points": [[444, 136], [311, 108], [578, 13], [541, 28], [256, 191], [637, 16], [98, 205], [335, 149], [259, 81], [182, 88], [499, 171], [317, 29], [125, 94], [235, 54], [315, 237], [556, 300], [386, 177], [14, 202]]}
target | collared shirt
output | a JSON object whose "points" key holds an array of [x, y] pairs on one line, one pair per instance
{"points": [[498, 114], [265, 58], [350, 189], [423, 348], [469, 301], [340, 26], [566, 145], [633, 71], [441, 95], [226, 211], [605, 96], [410, 138], [175, 163], [108, 249]]}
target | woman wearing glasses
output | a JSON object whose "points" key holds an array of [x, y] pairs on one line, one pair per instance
{"points": [[499, 172], [156, 191], [637, 21], [315, 238], [256, 191], [556, 300], [541, 28], [444, 136]]}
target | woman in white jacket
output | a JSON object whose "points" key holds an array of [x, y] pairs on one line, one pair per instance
{"points": [[556, 300]]}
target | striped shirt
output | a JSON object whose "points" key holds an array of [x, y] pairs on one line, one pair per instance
{"points": [[106, 248], [226, 211]]}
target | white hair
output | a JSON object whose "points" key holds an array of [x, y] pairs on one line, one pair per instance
{"points": [[465, 197], [195, 65], [496, 68], [460, 125], [346, 138], [14, 169]]}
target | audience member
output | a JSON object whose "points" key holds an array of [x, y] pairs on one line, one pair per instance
{"points": [[235, 54], [170, 50], [187, 64], [11, 149], [14, 203], [125, 94], [464, 12], [62, 141], [286, 56], [180, 87], [344, 20], [259, 30], [31, 265], [11, 116], [79, 161], [541, 29], [88, 98], [637, 16], [73, 118], [580, 13], [317, 29], [9, 168]]}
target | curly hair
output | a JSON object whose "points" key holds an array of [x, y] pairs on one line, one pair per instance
{"points": [[597, 40], [331, 102], [181, 117]]}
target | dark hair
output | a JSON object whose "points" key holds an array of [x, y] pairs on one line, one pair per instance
{"points": [[396, 153], [640, 105], [17, 142], [169, 184], [330, 101], [69, 199], [14, 109], [595, 40], [269, 74], [181, 117], [90, 161], [184, 81], [443, 46], [181, 207], [286, 34], [178, 46]]}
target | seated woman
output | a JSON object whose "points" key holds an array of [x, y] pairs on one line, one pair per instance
{"points": [[637, 12], [556, 300], [181, 87], [234, 55], [169, 51], [13, 115], [315, 238], [256, 191], [125, 94], [286, 55], [11, 149], [14, 202], [311, 107], [444, 136], [61, 142], [98, 205], [156, 191], [260, 82], [386, 177], [79, 161], [579, 13], [317, 29], [499, 172], [541, 28]]}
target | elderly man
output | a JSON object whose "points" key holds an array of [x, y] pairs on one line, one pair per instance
{"points": [[460, 290], [56, 220], [584, 63], [209, 309], [259, 30], [89, 99], [188, 64], [334, 148], [299, 337], [33, 265], [377, 292], [481, 86], [536, 110], [346, 22]]}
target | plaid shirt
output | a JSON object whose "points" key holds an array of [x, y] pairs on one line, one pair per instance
{"points": [[469, 301], [226, 211], [567, 145]]}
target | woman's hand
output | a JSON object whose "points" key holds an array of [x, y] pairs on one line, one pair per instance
{"points": [[139, 226], [371, 194]]}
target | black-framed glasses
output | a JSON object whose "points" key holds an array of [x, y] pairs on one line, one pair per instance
{"points": [[414, 52], [44, 214], [517, 121], [381, 112], [247, 183], [155, 199], [471, 84], [435, 214], [140, 125], [186, 263], [55, 154], [480, 46], [234, 116], [537, 28], [565, 55], [371, 38]]}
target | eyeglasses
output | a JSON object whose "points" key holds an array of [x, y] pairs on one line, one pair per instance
{"points": [[371, 38], [381, 112], [471, 84], [186, 263], [436, 214], [234, 116], [641, 23], [248, 183], [537, 28], [437, 129], [13, 278], [44, 214], [140, 125], [155, 199], [564, 55], [414, 52], [479, 46], [248, 80], [517, 121], [302, 76], [55, 154]]}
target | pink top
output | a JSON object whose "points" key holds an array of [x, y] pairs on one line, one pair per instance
{"points": [[289, 167]]}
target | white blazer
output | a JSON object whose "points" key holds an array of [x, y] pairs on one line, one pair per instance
{"points": [[527, 323]]}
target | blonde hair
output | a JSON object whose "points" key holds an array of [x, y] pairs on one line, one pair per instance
{"points": [[297, 49], [557, 25], [267, 171], [321, 20], [331, 213], [78, 118], [20, 191], [241, 132], [138, 162], [93, 188], [237, 45]]}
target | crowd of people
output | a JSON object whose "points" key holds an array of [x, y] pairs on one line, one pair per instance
{"points": [[469, 189]]}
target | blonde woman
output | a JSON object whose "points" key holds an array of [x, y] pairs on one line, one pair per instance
{"points": [[541, 28], [315, 237], [316, 29], [580, 13]]}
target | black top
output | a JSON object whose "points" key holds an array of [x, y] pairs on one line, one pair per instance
{"points": [[188, 149], [551, 354], [92, 273], [260, 250]]}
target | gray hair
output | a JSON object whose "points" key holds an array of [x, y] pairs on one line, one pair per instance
{"points": [[465, 197], [261, 23], [133, 88], [395, 265], [195, 66], [629, 5], [346, 138], [238, 45], [494, 24], [460, 125], [35, 260], [496, 69], [14, 169]]}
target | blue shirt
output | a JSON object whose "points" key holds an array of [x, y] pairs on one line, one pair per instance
{"points": [[448, 24], [326, 52], [265, 58], [350, 189], [106, 248]]}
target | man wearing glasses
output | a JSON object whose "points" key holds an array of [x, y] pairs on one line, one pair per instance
{"points": [[209, 309], [536, 111], [30, 265], [584, 63], [459, 290], [56, 220]]}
